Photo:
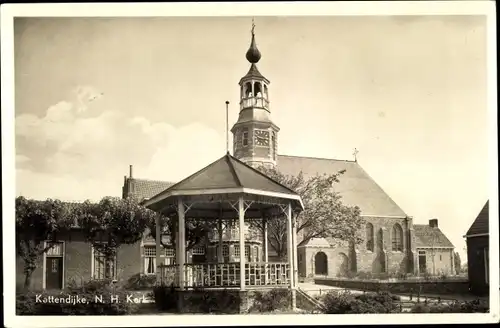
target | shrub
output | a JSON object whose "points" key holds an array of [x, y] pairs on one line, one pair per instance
{"points": [[213, 301], [196, 301], [274, 300], [93, 298], [475, 306], [165, 298], [341, 303], [140, 282]]}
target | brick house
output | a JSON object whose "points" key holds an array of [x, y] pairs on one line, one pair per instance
{"points": [[478, 263], [436, 254]]}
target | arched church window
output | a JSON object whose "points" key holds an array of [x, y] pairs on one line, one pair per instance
{"points": [[248, 90], [369, 237], [397, 238], [257, 89]]}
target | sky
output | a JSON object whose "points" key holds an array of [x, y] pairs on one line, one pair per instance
{"points": [[95, 95]]}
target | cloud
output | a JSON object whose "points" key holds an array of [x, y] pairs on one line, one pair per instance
{"points": [[75, 156]]}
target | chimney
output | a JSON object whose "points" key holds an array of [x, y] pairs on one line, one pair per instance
{"points": [[433, 223], [131, 170]]}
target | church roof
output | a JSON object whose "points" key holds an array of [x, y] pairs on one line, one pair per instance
{"points": [[253, 72], [427, 236], [355, 186], [228, 173], [480, 224]]}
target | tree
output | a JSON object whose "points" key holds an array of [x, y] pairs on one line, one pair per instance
{"points": [[324, 215], [458, 263], [110, 223], [36, 223]]}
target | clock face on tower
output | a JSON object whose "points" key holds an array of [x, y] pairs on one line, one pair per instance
{"points": [[261, 138]]}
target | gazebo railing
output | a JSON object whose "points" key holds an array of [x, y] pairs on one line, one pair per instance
{"points": [[212, 275]]}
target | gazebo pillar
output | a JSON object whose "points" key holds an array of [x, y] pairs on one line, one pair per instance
{"points": [[265, 250], [241, 212], [181, 244], [264, 240], [290, 253], [295, 255]]}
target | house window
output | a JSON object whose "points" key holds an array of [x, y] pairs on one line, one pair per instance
{"points": [[200, 250], [369, 237], [245, 138], [237, 250], [225, 252], [397, 238], [247, 253], [169, 256], [440, 257], [257, 255], [56, 249], [104, 267], [149, 259]]}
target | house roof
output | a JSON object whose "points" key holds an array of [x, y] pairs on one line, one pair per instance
{"points": [[427, 236], [144, 189], [480, 224], [355, 186]]}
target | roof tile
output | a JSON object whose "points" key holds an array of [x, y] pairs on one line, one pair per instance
{"points": [[426, 236], [480, 224], [355, 186]]}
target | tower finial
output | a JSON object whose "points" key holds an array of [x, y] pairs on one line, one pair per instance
{"points": [[355, 154], [253, 54]]}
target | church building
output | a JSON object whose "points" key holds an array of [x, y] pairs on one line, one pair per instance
{"points": [[392, 243]]}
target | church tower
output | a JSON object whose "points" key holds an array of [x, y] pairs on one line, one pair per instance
{"points": [[255, 136]]}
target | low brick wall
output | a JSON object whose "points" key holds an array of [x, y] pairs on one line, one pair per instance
{"points": [[441, 287]]}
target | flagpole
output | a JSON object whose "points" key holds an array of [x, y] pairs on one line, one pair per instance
{"points": [[227, 126]]}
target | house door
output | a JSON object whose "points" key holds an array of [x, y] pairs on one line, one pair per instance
{"points": [[422, 262], [54, 273]]}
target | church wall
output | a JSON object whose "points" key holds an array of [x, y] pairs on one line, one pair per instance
{"points": [[336, 258], [383, 258], [261, 152], [302, 265]]}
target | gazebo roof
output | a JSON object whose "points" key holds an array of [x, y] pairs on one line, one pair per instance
{"points": [[226, 176]]}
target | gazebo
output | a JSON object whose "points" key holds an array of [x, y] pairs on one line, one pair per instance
{"points": [[229, 189]]}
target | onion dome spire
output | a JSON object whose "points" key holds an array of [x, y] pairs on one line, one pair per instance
{"points": [[253, 54]]}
